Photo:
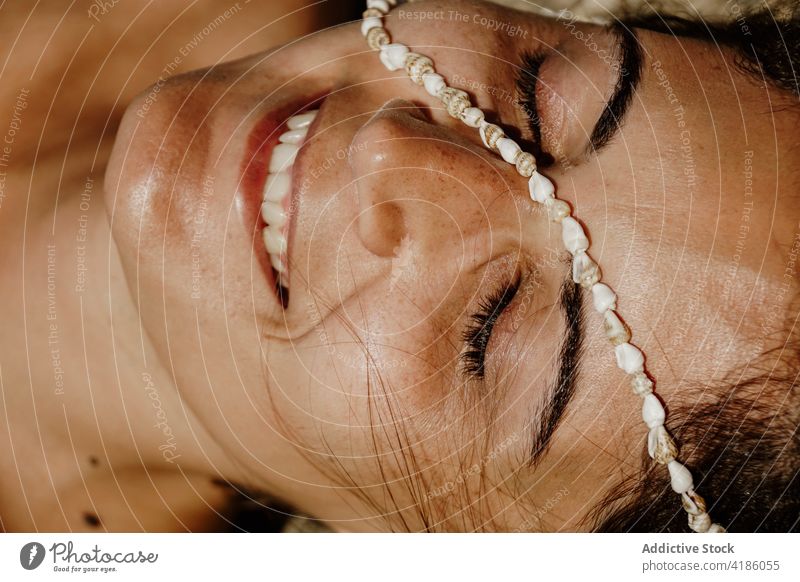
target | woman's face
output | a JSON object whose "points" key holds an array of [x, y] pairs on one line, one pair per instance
{"points": [[422, 371]]}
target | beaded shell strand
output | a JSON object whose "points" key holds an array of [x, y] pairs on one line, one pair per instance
{"points": [[585, 271]]}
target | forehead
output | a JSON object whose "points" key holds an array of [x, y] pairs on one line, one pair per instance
{"points": [[687, 64]]}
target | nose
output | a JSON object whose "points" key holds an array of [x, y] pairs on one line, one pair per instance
{"points": [[420, 181], [380, 174]]}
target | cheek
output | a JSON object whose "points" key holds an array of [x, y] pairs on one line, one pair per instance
{"points": [[383, 348]]}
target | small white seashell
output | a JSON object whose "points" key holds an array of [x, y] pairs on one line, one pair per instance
{"points": [[369, 23], [455, 101], [418, 65], [585, 271], [616, 331], [397, 54], [472, 116], [526, 164], [381, 5], [384, 58], [573, 236], [641, 384], [629, 358], [557, 209], [660, 445], [652, 411], [378, 37], [434, 83], [540, 187], [490, 134], [393, 56], [604, 298], [700, 523], [509, 149], [693, 503], [372, 12], [716, 528], [680, 477]]}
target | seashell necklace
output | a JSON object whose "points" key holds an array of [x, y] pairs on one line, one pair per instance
{"points": [[585, 271]]}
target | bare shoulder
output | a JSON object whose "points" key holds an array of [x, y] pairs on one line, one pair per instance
{"points": [[123, 501]]}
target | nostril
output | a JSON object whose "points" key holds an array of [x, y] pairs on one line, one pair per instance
{"points": [[382, 155], [381, 228]]}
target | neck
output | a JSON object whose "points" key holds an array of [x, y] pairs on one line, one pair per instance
{"points": [[88, 378]]}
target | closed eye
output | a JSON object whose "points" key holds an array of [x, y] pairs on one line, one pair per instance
{"points": [[527, 81], [628, 68], [478, 332]]}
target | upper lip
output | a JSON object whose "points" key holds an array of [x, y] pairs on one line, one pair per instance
{"points": [[261, 141]]}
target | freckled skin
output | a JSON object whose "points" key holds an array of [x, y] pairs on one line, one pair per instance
{"points": [[355, 388]]}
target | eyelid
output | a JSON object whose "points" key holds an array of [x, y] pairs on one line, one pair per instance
{"points": [[478, 332], [527, 85]]}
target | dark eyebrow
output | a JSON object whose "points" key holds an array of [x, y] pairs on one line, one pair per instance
{"points": [[630, 64], [562, 389]]}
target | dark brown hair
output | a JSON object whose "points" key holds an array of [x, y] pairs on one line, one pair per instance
{"points": [[742, 442]]}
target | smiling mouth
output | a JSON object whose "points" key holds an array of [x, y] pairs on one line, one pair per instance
{"points": [[276, 205], [270, 187]]}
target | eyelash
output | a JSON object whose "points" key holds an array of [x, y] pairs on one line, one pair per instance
{"points": [[478, 332], [527, 76]]}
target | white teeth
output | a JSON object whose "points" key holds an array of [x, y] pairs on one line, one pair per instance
{"points": [[294, 136], [273, 214], [277, 187], [283, 156], [302, 120], [274, 241], [277, 263]]}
